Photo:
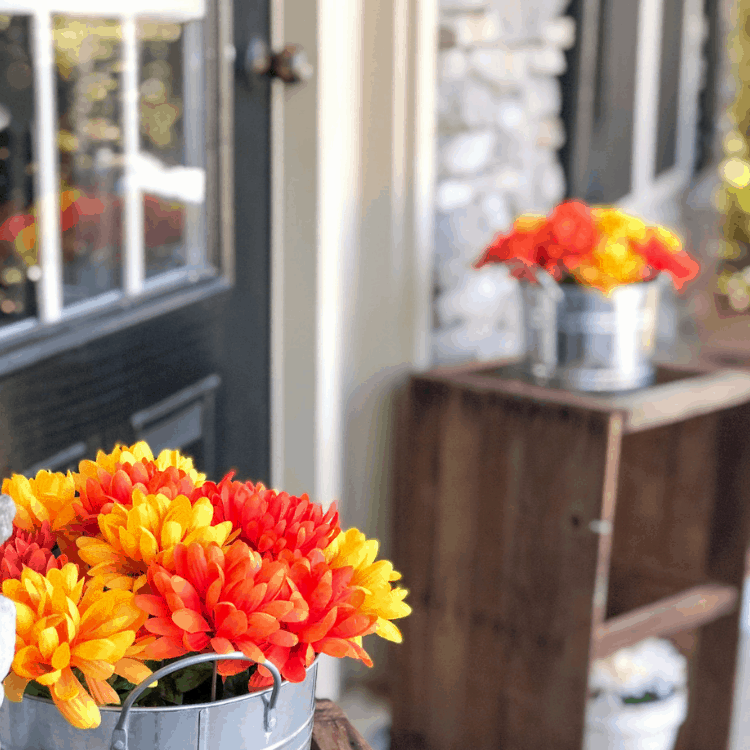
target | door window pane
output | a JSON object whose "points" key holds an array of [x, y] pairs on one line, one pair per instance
{"points": [[89, 95], [18, 258], [171, 165]]}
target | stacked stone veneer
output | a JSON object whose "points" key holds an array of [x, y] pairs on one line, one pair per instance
{"points": [[7, 608], [498, 134]]}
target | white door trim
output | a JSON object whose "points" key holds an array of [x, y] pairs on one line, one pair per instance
{"points": [[317, 206]]}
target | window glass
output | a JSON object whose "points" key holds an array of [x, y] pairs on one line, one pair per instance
{"points": [[18, 258], [89, 94], [171, 168]]}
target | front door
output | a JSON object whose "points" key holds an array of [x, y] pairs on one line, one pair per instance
{"points": [[134, 233]]}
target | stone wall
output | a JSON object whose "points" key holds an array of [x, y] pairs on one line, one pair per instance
{"points": [[498, 134]]}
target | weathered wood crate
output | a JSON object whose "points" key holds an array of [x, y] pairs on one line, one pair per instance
{"points": [[538, 529]]}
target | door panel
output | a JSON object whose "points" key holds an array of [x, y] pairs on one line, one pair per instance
{"points": [[196, 377]]}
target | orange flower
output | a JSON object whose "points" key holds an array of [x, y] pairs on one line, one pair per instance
{"points": [[335, 624], [271, 521], [29, 549], [60, 627], [222, 601]]}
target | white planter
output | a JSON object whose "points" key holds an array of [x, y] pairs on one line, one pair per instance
{"points": [[614, 725]]}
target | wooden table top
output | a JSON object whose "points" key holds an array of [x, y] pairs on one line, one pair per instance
{"points": [[333, 731]]}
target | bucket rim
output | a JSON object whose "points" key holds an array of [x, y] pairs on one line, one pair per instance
{"points": [[171, 709]]}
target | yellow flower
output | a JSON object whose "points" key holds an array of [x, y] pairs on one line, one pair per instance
{"points": [[352, 548], [612, 222], [60, 627], [134, 537], [139, 452], [529, 222], [612, 264], [668, 239], [48, 497]]}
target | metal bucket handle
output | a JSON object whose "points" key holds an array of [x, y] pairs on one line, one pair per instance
{"points": [[120, 733]]}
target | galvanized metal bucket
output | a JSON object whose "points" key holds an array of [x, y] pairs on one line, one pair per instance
{"points": [[587, 341], [279, 718]]}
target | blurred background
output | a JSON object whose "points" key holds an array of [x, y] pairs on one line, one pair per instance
{"points": [[234, 227]]}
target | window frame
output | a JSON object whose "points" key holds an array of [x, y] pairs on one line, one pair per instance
{"points": [[648, 192], [28, 341]]}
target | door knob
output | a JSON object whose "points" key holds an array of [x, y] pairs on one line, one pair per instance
{"points": [[290, 64]]}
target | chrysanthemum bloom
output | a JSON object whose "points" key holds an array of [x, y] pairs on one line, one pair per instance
{"points": [[134, 537], [48, 497], [99, 490], [663, 251], [522, 244], [612, 264], [271, 521], [29, 549], [334, 626], [612, 222], [382, 600], [59, 627], [572, 227], [219, 600]]}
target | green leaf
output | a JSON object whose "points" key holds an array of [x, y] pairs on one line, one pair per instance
{"points": [[191, 677], [37, 690]]}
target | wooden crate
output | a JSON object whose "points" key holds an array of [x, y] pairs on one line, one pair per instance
{"points": [[538, 529]]}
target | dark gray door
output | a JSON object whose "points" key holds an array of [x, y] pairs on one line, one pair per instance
{"points": [[154, 323]]}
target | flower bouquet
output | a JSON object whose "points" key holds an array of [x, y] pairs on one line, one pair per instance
{"points": [[598, 247], [590, 322], [133, 561]]}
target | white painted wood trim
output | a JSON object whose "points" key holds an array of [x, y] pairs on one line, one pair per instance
{"points": [[195, 143], [173, 10], [47, 184], [277, 191], [134, 261], [425, 18], [645, 109]]}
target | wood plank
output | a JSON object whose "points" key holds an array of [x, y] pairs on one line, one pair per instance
{"points": [[333, 731], [666, 495], [690, 609], [683, 399], [453, 555], [715, 663], [417, 473], [680, 393], [543, 632]]}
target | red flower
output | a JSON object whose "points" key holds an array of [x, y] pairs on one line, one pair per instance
{"points": [[269, 521], [29, 549], [219, 601], [660, 256], [334, 625], [572, 230]]}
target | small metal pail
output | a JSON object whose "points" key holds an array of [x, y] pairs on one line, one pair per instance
{"points": [[587, 341], [279, 718]]}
